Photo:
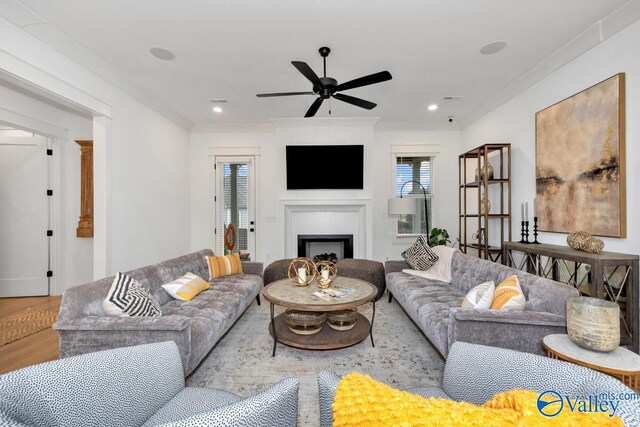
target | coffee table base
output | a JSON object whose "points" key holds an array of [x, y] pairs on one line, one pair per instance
{"points": [[326, 339]]}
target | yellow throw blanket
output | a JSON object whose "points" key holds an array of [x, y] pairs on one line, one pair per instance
{"points": [[362, 401]]}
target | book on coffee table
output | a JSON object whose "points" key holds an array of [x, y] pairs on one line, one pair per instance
{"points": [[333, 293]]}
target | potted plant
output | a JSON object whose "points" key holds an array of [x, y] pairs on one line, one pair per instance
{"points": [[438, 236]]}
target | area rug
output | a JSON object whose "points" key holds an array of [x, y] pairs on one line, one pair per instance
{"points": [[23, 324], [241, 362]]}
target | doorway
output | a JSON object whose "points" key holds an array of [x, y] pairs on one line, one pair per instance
{"points": [[25, 213], [235, 203]]}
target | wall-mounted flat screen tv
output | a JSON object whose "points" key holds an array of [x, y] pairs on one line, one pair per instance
{"points": [[325, 167]]}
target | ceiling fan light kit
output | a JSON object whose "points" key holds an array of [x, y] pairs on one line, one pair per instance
{"points": [[328, 87]]}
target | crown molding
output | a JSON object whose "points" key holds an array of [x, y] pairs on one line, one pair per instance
{"points": [[612, 24]]}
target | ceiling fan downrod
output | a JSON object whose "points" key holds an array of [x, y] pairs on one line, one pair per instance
{"points": [[324, 52]]}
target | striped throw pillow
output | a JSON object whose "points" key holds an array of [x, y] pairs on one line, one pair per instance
{"points": [[223, 265], [128, 298], [420, 256], [508, 295], [186, 287]]}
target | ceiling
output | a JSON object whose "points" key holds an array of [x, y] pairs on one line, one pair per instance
{"points": [[236, 49]]}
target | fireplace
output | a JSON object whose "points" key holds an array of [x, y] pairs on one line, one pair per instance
{"points": [[311, 245]]}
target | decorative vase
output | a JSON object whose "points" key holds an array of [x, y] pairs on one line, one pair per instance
{"points": [[480, 172], [593, 323]]}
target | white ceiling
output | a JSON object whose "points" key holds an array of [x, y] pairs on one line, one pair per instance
{"points": [[235, 49]]}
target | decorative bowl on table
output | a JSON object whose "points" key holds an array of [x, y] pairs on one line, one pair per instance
{"points": [[593, 323], [342, 320], [304, 322]]}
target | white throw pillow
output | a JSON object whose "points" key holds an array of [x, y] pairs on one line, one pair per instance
{"points": [[480, 297], [186, 287], [127, 297], [441, 270]]}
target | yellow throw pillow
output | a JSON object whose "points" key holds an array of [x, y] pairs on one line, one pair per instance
{"points": [[223, 265], [186, 287], [508, 295], [361, 401]]}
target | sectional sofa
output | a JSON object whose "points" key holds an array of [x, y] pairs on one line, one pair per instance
{"points": [[435, 306], [195, 326]]}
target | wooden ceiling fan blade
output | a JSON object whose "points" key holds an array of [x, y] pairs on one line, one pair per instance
{"points": [[355, 101], [371, 79]]}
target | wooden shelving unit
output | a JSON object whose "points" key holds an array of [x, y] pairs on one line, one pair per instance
{"points": [[475, 184]]}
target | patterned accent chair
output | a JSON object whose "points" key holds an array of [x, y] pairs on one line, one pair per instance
{"points": [[474, 373], [134, 386]]}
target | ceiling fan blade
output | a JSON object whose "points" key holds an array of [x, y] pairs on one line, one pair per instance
{"points": [[355, 101], [308, 73], [382, 76], [314, 107], [265, 95]]}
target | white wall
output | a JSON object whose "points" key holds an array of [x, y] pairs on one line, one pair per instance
{"points": [[514, 122], [272, 187], [147, 208]]}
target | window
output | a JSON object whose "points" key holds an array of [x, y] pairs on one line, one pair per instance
{"points": [[416, 169]]}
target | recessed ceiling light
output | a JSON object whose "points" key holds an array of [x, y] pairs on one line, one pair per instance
{"points": [[432, 107], [493, 47], [163, 54], [217, 110]]}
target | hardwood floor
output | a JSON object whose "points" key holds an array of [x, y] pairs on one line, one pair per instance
{"points": [[39, 347]]}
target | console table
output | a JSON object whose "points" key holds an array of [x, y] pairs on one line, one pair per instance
{"points": [[547, 260]]}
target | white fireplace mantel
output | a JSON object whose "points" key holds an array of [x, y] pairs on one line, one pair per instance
{"points": [[323, 216]]}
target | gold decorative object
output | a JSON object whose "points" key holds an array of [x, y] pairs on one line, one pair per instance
{"points": [[302, 271], [583, 241], [304, 322], [327, 271], [593, 323], [342, 320]]}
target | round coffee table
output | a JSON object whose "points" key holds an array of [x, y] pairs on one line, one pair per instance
{"points": [[285, 294], [620, 363]]}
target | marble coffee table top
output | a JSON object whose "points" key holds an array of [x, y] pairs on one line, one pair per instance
{"points": [[620, 359], [285, 293]]}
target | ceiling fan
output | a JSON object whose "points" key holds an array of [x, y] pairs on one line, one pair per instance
{"points": [[327, 87]]}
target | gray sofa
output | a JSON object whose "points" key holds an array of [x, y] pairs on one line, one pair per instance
{"points": [[134, 386], [474, 373], [435, 306], [195, 326]]}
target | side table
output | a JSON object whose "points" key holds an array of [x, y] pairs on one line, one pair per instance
{"points": [[620, 363]]}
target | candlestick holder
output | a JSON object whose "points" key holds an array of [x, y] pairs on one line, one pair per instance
{"points": [[522, 232], [535, 230], [526, 232]]}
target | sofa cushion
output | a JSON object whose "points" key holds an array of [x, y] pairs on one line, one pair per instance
{"points": [[213, 312], [275, 406], [428, 303], [191, 401], [419, 255]]}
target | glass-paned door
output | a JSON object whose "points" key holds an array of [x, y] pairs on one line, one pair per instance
{"points": [[235, 204]]}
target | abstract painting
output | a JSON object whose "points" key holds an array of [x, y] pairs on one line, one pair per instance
{"points": [[580, 162]]}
